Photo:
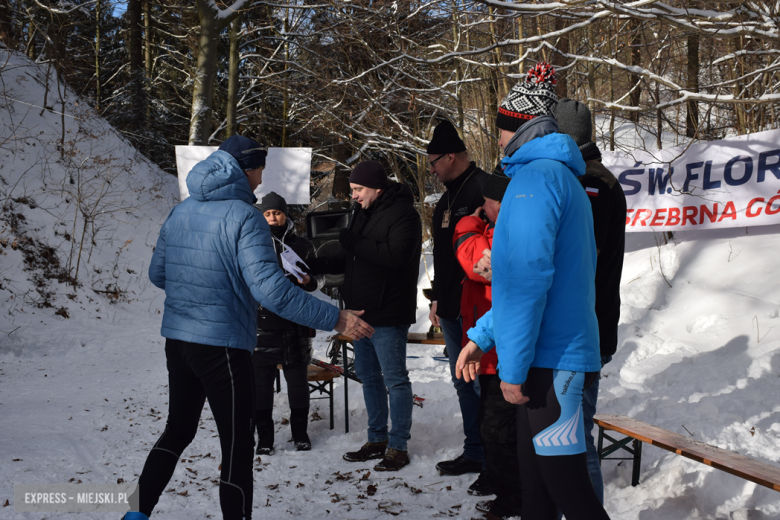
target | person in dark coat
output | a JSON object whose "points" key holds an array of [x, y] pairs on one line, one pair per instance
{"points": [[380, 260], [449, 162], [281, 341], [608, 203]]}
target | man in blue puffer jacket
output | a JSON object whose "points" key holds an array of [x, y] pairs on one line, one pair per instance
{"points": [[215, 260], [543, 323]]}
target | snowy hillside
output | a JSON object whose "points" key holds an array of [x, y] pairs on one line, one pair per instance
{"points": [[83, 388]]}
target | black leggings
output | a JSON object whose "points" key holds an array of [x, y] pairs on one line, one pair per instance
{"points": [[297, 384], [548, 482], [223, 376], [498, 430]]}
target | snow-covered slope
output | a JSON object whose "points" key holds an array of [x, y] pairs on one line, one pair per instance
{"points": [[83, 398]]}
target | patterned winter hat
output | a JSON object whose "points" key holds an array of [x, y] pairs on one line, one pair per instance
{"points": [[529, 99]]}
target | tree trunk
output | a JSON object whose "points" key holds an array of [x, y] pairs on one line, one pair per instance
{"points": [[558, 61], [692, 85], [148, 38], [212, 21], [6, 27], [592, 81], [636, 61], [232, 100], [97, 56], [134, 9]]}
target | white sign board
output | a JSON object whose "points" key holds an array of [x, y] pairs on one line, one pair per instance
{"points": [[734, 182], [287, 171]]}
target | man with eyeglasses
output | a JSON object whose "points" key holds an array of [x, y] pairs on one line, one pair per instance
{"points": [[450, 164]]}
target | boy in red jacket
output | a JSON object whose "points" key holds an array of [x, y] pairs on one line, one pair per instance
{"points": [[472, 241]]}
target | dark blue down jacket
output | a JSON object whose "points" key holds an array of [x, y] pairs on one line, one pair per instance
{"points": [[215, 260]]}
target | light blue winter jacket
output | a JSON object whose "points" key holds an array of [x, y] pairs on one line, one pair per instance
{"points": [[216, 261], [543, 259]]}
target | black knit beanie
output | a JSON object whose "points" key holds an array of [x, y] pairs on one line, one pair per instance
{"points": [[370, 174], [496, 184], [273, 201], [530, 98], [446, 140], [246, 151]]}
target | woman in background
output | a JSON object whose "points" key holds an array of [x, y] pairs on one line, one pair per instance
{"points": [[282, 342]]}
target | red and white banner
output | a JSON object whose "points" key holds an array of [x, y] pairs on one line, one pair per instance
{"points": [[734, 182]]}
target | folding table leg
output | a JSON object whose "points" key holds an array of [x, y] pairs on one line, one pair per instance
{"points": [[346, 385], [330, 397], [637, 464]]}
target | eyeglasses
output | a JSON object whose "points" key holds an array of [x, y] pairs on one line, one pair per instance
{"points": [[436, 160]]}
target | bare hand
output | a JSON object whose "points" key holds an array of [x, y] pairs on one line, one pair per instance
{"points": [[467, 366], [305, 280], [513, 393], [477, 212], [432, 315], [350, 325], [483, 267]]}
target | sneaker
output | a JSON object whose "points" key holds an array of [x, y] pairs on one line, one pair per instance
{"points": [[483, 506], [135, 515], [459, 466], [481, 487], [369, 451], [393, 461]]}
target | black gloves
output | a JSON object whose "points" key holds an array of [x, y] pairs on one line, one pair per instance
{"points": [[348, 239], [316, 266]]}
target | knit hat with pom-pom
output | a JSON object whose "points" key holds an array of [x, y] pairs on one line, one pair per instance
{"points": [[531, 98]]}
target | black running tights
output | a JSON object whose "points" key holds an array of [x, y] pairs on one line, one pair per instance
{"points": [[223, 376]]}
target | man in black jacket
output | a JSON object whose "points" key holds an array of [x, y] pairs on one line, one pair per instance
{"points": [[608, 203], [380, 260], [450, 164]]}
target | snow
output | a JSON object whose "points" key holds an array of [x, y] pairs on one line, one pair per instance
{"points": [[83, 398]]}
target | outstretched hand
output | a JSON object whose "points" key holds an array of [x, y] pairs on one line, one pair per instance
{"points": [[350, 325], [467, 366]]}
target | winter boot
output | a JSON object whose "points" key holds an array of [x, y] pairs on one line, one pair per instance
{"points": [[370, 450], [299, 421], [393, 461], [481, 487], [265, 431]]}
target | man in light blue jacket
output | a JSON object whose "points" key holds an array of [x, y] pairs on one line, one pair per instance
{"points": [[215, 260], [543, 323]]}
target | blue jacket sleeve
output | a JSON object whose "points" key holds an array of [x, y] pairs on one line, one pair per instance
{"points": [[157, 265], [482, 332], [522, 260], [268, 284]]}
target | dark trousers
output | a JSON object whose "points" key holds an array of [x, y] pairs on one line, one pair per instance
{"points": [[224, 377], [550, 483], [297, 385], [498, 429]]}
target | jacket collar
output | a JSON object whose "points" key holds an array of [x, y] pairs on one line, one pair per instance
{"points": [[455, 183], [537, 127]]}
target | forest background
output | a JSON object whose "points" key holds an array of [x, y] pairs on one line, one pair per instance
{"points": [[357, 80]]}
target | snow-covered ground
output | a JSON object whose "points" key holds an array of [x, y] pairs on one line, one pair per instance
{"points": [[83, 397]]}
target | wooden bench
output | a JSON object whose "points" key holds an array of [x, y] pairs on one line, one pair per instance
{"points": [[320, 380], [637, 432]]}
